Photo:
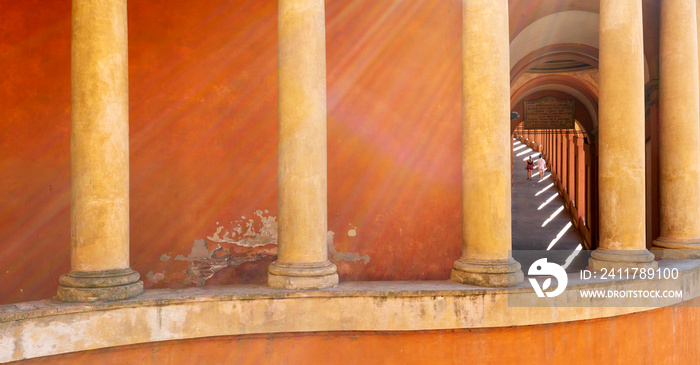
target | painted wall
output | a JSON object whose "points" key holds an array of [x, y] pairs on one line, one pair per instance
{"points": [[203, 141], [668, 335]]}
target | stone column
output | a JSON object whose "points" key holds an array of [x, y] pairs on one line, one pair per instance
{"points": [[550, 150], [621, 139], [302, 261], [560, 160], [555, 161], [580, 177], [552, 153], [565, 163], [486, 197], [679, 129], [545, 145], [571, 168], [99, 156]]}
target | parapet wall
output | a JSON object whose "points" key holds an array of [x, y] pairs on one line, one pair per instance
{"points": [[45, 328], [668, 335]]}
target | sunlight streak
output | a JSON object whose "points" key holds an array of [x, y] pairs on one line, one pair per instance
{"points": [[545, 189], [519, 147], [559, 236], [524, 152], [547, 201], [553, 216], [531, 156], [572, 256]]}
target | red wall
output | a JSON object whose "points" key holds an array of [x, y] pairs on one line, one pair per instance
{"points": [[203, 137], [34, 147]]}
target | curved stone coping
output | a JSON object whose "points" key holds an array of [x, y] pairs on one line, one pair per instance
{"points": [[49, 327]]}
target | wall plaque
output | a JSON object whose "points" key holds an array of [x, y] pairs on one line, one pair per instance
{"points": [[549, 113]]}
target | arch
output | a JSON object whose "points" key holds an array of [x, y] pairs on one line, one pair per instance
{"points": [[555, 52], [567, 27], [586, 97], [569, 35]]}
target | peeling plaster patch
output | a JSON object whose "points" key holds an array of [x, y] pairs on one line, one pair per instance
{"points": [[155, 278], [353, 231], [247, 237], [336, 256], [199, 250], [243, 240], [251, 238], [203, 264]]}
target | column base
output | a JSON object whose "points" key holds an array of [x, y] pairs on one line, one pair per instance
{"points": [[488, 273], [99, 286], [621, 259], [302, 276], [676, 248]]}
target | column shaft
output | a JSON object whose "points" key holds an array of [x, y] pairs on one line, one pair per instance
{"points": [[580, 177], [554, 156], [99, 156], [550, 153], [557, 153], [571, 168], [562, 161], [547, 149], [679, 129], [621, 138], [565, 163], [486, 258], [302, 171]]}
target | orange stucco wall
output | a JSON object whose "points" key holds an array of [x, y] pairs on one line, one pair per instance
{"points": [[668, 335], [203, 138]]}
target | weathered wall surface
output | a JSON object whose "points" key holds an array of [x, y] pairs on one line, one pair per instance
{"points": [[203, 126], [34, 147], [668, 335]]}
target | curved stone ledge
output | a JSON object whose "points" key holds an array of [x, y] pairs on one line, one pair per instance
{"points": [[49, 327]]}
